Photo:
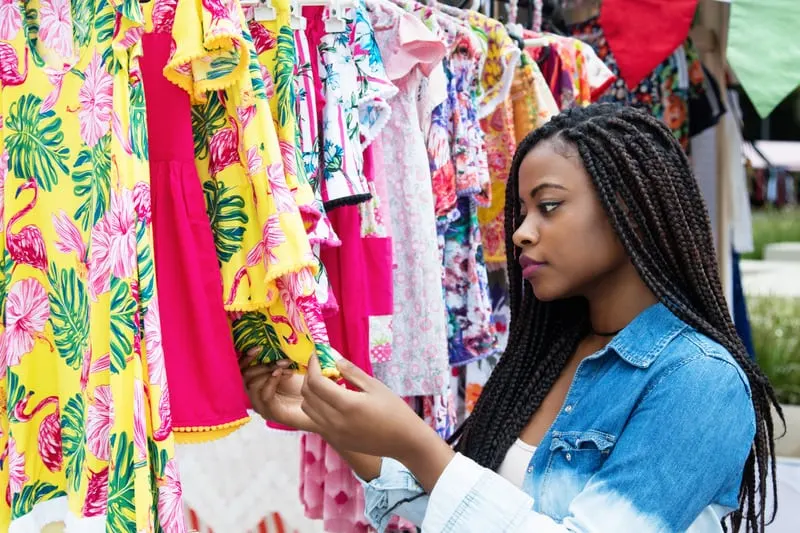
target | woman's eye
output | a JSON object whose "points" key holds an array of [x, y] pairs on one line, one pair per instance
{"points": [[548, 207]]}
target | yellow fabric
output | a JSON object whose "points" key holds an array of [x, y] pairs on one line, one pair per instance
{"points": [[261, 239], [85, 383]]}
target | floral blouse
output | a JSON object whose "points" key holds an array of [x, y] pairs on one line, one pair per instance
{"points": [[356, 92]]}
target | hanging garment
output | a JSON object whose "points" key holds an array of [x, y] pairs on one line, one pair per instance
{"points": [[356, 90], [664, 93], [418, 364], [87, 436], [198, 348], [529, 105], [309, 100], [267, 265]]}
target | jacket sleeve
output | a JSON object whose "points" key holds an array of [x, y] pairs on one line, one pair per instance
{"points": [[683, 450], [394, 492]]}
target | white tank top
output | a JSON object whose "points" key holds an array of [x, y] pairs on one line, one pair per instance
{"points": [[516, 462]]}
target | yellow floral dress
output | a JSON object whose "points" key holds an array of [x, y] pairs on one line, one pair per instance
{"points": [[265, 256], [85, 427]]}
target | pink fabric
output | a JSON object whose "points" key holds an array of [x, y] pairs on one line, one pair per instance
{"points": [[198, 346]]}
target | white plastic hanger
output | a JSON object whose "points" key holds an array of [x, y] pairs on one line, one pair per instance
{"points": [[264, 12]]}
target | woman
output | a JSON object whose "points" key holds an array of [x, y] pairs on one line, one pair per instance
{"points": [[623, 370]]}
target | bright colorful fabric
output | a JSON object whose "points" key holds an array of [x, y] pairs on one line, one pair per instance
{"points": [[198, 348], [86, 425], [266, 260]]}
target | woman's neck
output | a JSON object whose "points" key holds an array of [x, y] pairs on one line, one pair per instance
{"points": [[617, 301]]}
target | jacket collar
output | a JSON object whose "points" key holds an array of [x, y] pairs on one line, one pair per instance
{"points": [[643, 340]]}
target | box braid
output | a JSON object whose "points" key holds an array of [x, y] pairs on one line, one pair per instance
{"points": [[646, 186]]}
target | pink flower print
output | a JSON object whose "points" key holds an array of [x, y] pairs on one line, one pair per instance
{"points": [[155, 351], [164, 15], [96, 101], [263, 39], [170, 500], [271, 238], [113, 244], [10, 19], [289, 157], [56, 79], [254, 161], [16, 468], [269, 83], [141, 201], [246, 114], [99, 420], [96, 499], [27, 313], [55, 26], [281, 195], [139, 420], [3, 174], [69, 236]]}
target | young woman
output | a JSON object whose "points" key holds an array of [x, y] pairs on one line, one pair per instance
{"points": [[625, 401]]}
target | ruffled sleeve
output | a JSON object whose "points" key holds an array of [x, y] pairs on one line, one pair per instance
{"points": [[210, 50]]}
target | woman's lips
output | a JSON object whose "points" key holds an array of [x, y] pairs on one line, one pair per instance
{"points": [[529, 266]]}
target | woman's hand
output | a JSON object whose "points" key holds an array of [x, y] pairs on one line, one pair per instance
{"points": [[372, 421], [274, 392]]}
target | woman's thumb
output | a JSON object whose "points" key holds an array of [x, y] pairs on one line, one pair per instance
{"points": [[353, 374]]}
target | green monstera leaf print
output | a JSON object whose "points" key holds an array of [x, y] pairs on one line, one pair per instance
{"points": [[226, 213], [91, 175], [35, 142], [207, 118], [69, 315], [22, 503], [73, 438], [284, 75], [123, 310], [121, 508], [147, 270], [138, 125], [251, 330]]}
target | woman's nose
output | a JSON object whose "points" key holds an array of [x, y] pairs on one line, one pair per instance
{"points": [[526, 234]]}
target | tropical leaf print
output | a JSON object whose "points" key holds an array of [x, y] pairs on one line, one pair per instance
{"points": [[138, 125], [121, 509], [32, 23], [16, 392], [284, 75], [73, 438], [82, 18], [256, 79], [34, 142], [123, 309], [31, 495], [69, 315], [92, 177], [226, 213], [147, 271], [207, 118], [252, 330], [223, 66], [104, 22]]}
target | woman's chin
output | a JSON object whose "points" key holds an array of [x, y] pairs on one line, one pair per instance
{"points": [[544, 293]]}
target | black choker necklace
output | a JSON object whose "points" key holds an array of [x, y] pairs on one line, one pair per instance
{"points": [[604, 334]]}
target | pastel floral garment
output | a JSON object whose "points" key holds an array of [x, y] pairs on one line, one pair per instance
{"points": [[85, 425], [266, 260]]}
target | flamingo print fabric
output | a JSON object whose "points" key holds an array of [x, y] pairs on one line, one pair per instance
{"points": [[85, 427], [258, 212]]}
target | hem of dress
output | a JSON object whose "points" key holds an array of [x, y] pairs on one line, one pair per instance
{"points": [[201, 434], [53, 511], [263, 305], [347, 200]]}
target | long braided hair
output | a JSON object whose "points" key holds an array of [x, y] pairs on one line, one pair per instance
{"points": [[645, 184]]}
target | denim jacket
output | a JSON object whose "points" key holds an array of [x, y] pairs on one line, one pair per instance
{"points": [[652, 437]]}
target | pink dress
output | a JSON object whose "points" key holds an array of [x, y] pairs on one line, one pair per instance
{"points": [[198, 346]]}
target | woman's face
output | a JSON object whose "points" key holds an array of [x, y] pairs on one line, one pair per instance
{"points": [[568, 247]]}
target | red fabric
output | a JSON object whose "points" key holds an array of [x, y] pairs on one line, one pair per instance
{"points": [[197, 341], [643, 33]]}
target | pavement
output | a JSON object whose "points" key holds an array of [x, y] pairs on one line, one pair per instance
{"points": [[771, 278]]}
